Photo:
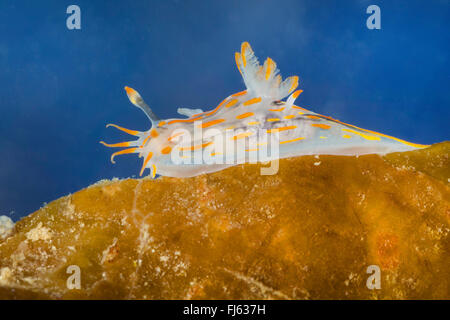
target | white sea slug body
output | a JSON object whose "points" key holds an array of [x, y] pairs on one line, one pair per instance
{"points": [[243, 126]]}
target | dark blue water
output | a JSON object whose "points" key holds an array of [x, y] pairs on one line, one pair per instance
{"points": [[59, 87]]}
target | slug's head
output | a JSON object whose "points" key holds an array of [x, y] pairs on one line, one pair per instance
{"points": [[140, 145]]}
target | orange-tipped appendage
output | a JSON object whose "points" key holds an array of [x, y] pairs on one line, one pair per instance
{"points": [[147, 159], [244, 47], [237, 57], [116, 145], [130, 91], [132, 132], [297, 93], [294, 83], [131, 150], [270, 68]]}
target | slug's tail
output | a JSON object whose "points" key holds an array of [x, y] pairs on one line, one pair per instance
{"points": [[265, 80]]}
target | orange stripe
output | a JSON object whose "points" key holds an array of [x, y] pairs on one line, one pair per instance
{"points": [[365, 136], [275, 110], [161, 123], [132, 132], [244, 48], [192, 148], [185, 120], [321, 126], [252, 101], [216, 154], [242, 135], [293, 140], [294, 83], [281, 129], [269, 68], [149, 156], [273, 119], [237, 57], [211, 123], [174, 136], [245, 115], [240, 93], [251, 123], [415, 145], [153, 171], [313, 117], [231, 103], [289, 117], [166, 150], [217, 108], [297, 107]]}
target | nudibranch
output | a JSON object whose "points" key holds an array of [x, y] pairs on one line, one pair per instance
{"points": [[243, 121]]}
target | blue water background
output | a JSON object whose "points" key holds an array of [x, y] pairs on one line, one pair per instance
{"points": [[59, 87]]}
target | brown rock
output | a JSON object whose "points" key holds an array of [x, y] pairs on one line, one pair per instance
{"points": [[308, 232]]}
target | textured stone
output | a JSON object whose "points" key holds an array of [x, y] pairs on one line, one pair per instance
{"points": [[6, 226], [308, 232]]}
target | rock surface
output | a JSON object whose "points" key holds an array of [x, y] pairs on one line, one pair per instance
{"points": [[6, 226], [308, 232]]}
